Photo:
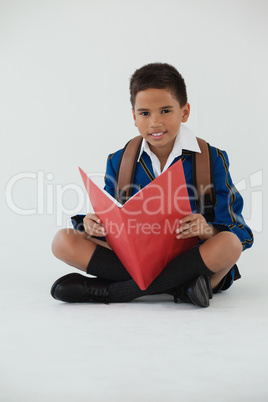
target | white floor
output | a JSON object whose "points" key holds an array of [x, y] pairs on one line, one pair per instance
{"points": [[148, 350]]}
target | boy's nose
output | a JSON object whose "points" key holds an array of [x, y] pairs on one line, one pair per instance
{"points": [[155, 123]]}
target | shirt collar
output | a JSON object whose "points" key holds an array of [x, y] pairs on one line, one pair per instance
{"points": [[184, 140]]}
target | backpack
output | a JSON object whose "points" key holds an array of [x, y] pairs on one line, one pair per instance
{"points": [[202, 173]]}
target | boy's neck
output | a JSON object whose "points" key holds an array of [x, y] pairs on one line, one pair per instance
{"points": [[162, 153]]}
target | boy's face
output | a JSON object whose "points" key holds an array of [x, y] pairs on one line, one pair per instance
{"points": [[158, 117]]}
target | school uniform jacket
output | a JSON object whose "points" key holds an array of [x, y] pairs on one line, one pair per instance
{"points": [[229, 202]]}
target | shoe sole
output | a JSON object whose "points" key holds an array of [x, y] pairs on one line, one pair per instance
{"points": [[59, 281]]}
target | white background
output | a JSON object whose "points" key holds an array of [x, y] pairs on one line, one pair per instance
{"points": [[64, 98]]}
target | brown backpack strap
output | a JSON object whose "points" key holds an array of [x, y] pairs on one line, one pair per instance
{"points": [[203, 175], [126, 167], [203, 180]]}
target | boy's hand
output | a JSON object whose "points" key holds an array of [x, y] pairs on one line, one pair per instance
{"points": [[93, 226], [195, 225]]}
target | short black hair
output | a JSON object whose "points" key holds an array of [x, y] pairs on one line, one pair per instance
{"points": [[160, 76]]}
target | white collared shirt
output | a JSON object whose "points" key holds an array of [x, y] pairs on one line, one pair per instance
{"points": [[184, 140]]}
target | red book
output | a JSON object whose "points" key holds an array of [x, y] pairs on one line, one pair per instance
{"points": [[142, 231]]}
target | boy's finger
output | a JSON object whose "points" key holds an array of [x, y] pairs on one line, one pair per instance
{"points": [[183, 227], [187, 218], [92, 217], [100, 229], [185, 235], [95, 218]]}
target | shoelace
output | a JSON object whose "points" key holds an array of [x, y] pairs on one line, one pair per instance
{"points": [[95, 295]]}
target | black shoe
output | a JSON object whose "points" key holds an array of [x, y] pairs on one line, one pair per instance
{"points": [[197, 292], [76, 288], [210, 291]]}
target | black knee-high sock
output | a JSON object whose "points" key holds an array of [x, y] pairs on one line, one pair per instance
{"points": [[182, 269], [105, 264]]}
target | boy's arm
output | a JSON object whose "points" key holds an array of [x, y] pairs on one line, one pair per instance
{"points": [[228, 208], [229, 202], [110, 175]]}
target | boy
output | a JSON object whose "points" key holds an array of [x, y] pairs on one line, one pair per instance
{"points": [[159, 107]]}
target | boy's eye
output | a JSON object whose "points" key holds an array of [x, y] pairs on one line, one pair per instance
{"points": [[164, 111]]}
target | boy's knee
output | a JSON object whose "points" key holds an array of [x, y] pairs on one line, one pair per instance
{"points": [[237, 247], [62, 243], [232, 244]]}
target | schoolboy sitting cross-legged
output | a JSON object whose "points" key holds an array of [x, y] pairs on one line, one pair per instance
{"points": [[160, 107]]}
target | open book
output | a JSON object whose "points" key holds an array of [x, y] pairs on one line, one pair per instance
{"points": [[142, 231]]}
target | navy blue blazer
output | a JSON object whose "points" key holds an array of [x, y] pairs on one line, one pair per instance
{"points": [[228, 206], [229, 202]]}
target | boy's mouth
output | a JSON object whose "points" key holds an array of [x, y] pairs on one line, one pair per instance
{"points": [[158, 134]]}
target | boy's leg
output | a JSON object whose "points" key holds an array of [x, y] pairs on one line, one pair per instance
{"points": [[73, 247], [220, 253], [215, 257], [217, 277], [76, 249]]}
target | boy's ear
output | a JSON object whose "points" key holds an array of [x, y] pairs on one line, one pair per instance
{"points": [[134, 117], [186, 112]]}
